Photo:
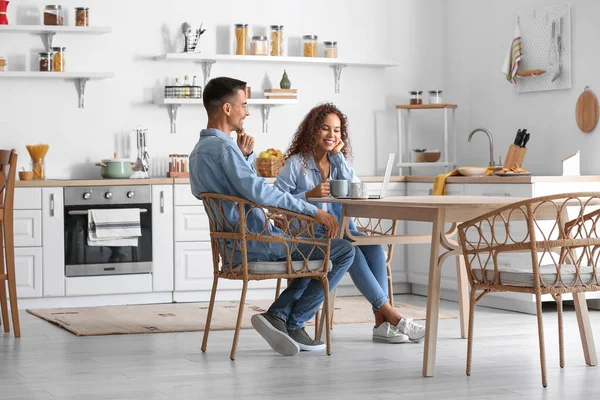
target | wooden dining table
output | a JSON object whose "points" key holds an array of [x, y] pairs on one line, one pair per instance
{"points": [[439, 210]]}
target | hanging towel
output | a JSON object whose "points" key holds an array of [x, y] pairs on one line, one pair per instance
{"points": [[114, 227], [439, 184], [513, 56]]}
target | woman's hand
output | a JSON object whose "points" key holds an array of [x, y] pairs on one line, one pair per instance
{"points": [[321, 190], [338, 147]]}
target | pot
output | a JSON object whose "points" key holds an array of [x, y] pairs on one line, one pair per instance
{"points": [[115, 168]]}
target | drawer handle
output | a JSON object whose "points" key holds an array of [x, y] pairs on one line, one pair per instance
{"points": [[162, 202], [52, 205], [497, 194]]}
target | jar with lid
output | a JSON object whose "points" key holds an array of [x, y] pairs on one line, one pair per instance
{"points": [[53, 15], [46, 61], [259, 46], [416, 97], [241, 39], [330, 49], [82, 16], [309, 45], [435, 97], [58, 59], [276, 40]]}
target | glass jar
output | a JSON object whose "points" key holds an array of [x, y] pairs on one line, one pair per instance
{"points": [[435, 97], [241, 39], [53, 15], [276, 40], [259, 46], [309, 45], [38, 168], [330, 49], [58, 59], [46, 61], [82, 16], [416, 97]]}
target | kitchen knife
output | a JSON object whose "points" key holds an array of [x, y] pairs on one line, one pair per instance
{"points": [[518, 138], [525, 140]]}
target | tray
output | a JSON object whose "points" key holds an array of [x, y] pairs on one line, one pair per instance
{"points": [[515, 174]]}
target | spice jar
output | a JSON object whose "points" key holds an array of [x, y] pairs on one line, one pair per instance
{"points": [[259, 46], [46, 61], [330, 49], [309, 45], [241, 39], [58, 59], [276, 40], [53, 15], [82, 16], [435, 97], [416, 97]]}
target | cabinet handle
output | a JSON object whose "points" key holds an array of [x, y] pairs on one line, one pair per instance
{"points": [[496, 194], [430, 192], [52, 205], [162, 202]]}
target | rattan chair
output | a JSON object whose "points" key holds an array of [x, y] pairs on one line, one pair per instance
{"points": [[8, 169], [227, 238], [562, 237]]}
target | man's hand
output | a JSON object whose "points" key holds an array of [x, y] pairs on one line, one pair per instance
{"points": [[321, 190], [338, 147], [246, 143], [324, 218]]}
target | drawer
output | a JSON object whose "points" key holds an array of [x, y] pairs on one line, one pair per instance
{"points": [[191, 224], [183, 196], [499, 189], [28, 228], [28, 199]]}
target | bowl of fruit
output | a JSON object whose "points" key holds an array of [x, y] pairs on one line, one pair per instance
{"points": [[269, 162]]}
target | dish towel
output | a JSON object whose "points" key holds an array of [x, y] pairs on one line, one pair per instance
{"points": [[114, 227], [439, 184], [513, 56]]}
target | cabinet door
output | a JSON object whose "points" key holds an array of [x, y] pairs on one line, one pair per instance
{"points": [[162, 238], [28, 228], [191, 224], [53, 241], [28, 198], [193, 266], [28, 267]]}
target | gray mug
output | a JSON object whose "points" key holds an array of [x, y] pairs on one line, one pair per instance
{"points": [[339, 187]]}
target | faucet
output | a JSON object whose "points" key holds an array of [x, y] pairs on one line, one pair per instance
{"points": [[489, 135]]}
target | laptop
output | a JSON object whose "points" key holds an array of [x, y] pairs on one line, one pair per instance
{"points": [[386, 179]]}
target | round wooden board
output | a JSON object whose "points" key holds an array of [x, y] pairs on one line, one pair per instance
{"points": [[587, 111]]}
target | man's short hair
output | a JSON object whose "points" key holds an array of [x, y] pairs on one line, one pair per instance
{"points": [[218, 91]]}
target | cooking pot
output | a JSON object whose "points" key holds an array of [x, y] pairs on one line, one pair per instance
{"points": [[115, 168]]}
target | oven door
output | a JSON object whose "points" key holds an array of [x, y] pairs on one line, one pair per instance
{"points": [[82, 259]]}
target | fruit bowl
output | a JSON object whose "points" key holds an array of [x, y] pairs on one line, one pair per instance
{"points": [[472, 171]]}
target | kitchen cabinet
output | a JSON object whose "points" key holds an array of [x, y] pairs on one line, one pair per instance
{"points": [[28, 228], [162, 238], [28, 271], [53, 247]]}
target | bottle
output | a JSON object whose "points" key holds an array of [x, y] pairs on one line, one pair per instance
{"points": [[195, 92], [178, 88], [186, 90]]}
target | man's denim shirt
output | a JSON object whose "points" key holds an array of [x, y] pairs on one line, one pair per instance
{"points": [[297, 180], [218, 166]]}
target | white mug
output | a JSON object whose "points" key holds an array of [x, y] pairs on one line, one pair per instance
{"points": [[358, 190]]}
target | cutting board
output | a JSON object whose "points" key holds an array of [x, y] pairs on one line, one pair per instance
{"points": [[587, 111]]}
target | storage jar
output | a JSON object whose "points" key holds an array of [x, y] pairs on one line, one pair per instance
{"points": [[309, 43], [435, 97], [58, 59], [276, 40], [241, 39], [82, 16], [330, 49], [46, 61], [259, 46], [53, 15], [416, 97]]}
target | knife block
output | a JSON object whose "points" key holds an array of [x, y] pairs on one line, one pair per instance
{"points": [[514, 157]]}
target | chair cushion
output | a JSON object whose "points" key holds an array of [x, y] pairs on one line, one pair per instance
{"points": [[523, 276], [280, 267]]}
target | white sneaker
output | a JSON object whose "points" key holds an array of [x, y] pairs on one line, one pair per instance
{"points": [[415, 332], [388, 333]]}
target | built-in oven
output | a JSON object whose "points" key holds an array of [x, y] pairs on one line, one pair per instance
{"points": [[83, 259]]}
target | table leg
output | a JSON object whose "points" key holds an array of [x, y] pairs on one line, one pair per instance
{"points": [[461, 277], [433, 295], [585, 329]]}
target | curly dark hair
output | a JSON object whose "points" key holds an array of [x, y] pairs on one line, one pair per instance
{"points": [[305, 138]]}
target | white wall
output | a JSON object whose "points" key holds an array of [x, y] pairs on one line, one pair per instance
{"points": [[45, 111], [478, 35]]}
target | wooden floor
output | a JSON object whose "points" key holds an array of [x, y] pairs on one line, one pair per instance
{"points": [[48, 362]]}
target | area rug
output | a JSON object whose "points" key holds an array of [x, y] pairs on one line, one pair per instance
{"points": [[191, 317]]}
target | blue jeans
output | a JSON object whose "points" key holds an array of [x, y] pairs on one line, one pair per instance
{"points": [[300, 301], [369, 273]]}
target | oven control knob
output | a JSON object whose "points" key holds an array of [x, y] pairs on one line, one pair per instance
{"points": [[87, 195], [130, 194], [108, 195]]}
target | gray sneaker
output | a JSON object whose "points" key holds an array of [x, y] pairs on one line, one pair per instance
{"points": [[305, 342], [273, 330]]}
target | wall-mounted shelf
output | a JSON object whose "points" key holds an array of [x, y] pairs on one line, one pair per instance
{"points": [[337, 64], [48, 32], [404, 111], [80, 77], [265, 107]]}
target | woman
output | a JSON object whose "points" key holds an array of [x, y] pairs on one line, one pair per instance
{"points": [[318, 153]]}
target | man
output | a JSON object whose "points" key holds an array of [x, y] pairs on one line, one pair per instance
{"points": [[218, 165]]}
